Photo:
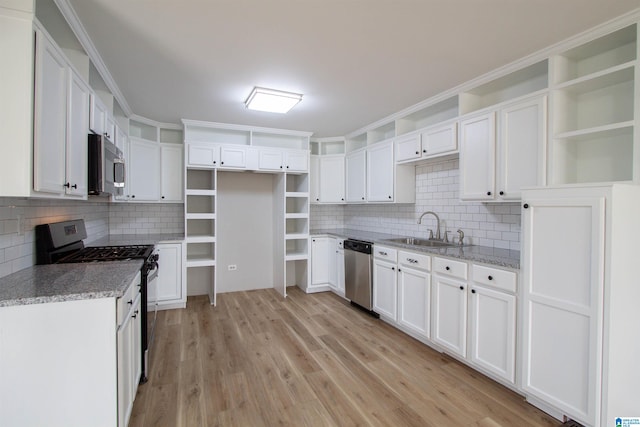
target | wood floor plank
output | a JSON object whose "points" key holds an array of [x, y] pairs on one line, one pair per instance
{"points": [[257, 359]]}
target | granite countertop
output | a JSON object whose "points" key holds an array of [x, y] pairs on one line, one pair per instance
{"points": [[484, 254], [136, 239], [67, 282]]}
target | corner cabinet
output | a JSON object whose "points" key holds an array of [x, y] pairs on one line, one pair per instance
{"points": [[580, 329], [144, 170]]}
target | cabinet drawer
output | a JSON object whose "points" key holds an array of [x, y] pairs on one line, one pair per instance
{"points": [[386, 253], [125, 302], [450, 267], [412, 259], [494, 277]]}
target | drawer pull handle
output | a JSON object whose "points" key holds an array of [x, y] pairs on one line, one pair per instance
{"points": [[490, 277], [447, 268], [130, 301], [412, 261], [383, 253]]}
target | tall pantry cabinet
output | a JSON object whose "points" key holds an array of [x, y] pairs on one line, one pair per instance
{"points": [[580, 301]]}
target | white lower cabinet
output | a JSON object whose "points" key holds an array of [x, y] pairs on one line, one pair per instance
{"points": [[320, 248], [449, 323], [171, 286], [80, 365], [385, 282], [492, 326], [414, 299]]}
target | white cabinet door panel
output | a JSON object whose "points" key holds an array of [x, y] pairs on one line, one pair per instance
{"points": [[477, 157], [171, 173], [169, 272], [270, 160], [77, 130], [439, 140], [493, 331], [521, 149], [385, 289], [50, 118], [203, 155], [319, 261], [297, 161], [414, 300], [233, 157], [408, 148], [144, 170], [449, 311], [332, 179], [380, 173], [356, 170]]}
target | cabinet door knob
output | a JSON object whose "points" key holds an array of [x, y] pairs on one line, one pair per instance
{"points": [[488, 193], [133, 196], [424, 151], [280, 166], [214, 162], [447, 268], [393, 268], [526, 206], [461, 288], [363, 198], [473, 291], [163, 197], [502, 193], [287, 167], [399, 270], [222, 163], [342, 199], [389, 196], [417, 152], [490, 277]]}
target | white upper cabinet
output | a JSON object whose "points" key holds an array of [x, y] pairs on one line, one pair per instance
{"points": [[314, 177], [380, 176], [234, 157], [271, 160], [435, 141], [332, 179], [201, 155], [495, 165], [144, 170], [97, 115], [77, 130], [477, 157], [60, 125], [356, 172], [296, 161], [171, 169], [521, 147], [50, 117]]}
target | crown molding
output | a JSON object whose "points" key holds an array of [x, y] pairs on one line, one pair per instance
{"points": [[83, 37]]}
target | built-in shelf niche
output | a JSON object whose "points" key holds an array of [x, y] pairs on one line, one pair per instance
{"points": [[201, 179], [603, 100], [603, 156], [328, 146], [200, 254], [516, 84], [612, 50], [200, 225], [296, 227], [381, 133], [194, 133], [297, 205], [200, 204], [296, 249], [290, 142], [433, 114], [141, 130], [171, 136], [356, 142], [297, 184]]}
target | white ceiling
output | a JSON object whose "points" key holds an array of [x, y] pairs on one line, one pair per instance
{"points": [[355, 61]]}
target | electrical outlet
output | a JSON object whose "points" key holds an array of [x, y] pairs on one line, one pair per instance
{"points": [[232, 267]]}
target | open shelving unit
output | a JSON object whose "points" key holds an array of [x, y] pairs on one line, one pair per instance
{"points": [[200, 226], [594, 113], [296, 230]]}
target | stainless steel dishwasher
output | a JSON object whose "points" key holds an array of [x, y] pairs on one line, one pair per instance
{"points": [[358, 273]]}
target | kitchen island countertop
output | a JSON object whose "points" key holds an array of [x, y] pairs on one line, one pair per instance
{"points": [[67, 282], [484, 254]]}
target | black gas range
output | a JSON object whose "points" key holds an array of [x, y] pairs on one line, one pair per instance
{"points": [[63, 242]]}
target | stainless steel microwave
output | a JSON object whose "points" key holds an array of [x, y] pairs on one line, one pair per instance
{"points": [[106, 167]]}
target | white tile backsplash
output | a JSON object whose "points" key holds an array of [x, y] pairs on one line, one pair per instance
{"points": [[18, 218], [146, 218], [437, 188]]}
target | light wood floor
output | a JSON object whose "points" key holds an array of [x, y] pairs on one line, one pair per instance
{"points": [[257, 359]]}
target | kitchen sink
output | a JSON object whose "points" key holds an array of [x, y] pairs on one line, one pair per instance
{"points": [[423, 242]]}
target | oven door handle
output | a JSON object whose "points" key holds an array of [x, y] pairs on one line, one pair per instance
{"points": [[152, 274]]}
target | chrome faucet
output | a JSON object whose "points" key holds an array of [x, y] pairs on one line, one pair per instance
{"points": [[437, 224]]}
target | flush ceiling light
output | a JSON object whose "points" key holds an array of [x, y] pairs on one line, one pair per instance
{"points": [[271, 100]]}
